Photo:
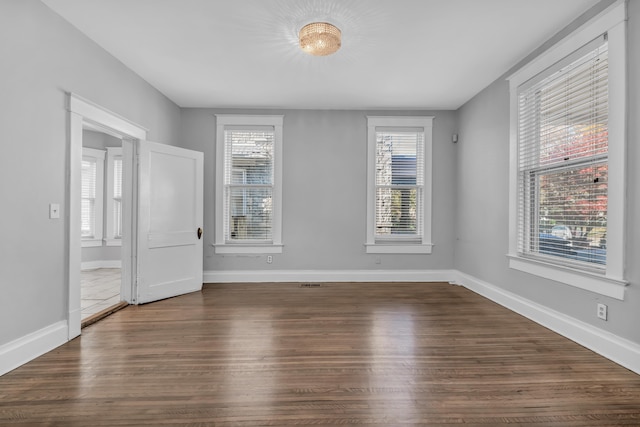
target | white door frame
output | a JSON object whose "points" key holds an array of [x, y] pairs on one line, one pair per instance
{"points": [[82, 114]]}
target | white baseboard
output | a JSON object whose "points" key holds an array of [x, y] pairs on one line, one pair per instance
{"points": [[611, 346], [92, 265], [283, 276], [28, 347], [75, 323]]}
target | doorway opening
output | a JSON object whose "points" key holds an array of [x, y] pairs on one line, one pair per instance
{"points": [[111, 236], [101, 225], [162, 212], [100, 294]]}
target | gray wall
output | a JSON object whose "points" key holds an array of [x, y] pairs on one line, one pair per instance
{"points": [[101, 253], [42, 58], [324, 191], [100, 141], [482, 204]]}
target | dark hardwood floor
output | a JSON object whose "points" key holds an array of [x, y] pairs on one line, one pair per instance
{"points": [[281, 354]]}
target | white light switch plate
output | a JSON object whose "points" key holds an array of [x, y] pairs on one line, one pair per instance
{"points": [[54, 211]]}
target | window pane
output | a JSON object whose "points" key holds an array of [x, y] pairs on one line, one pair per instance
{"points": [[117, 197], [250, 152], [249, 180], [396, 211], [565, 116], [87, 217], [399, 172], [249, 213], [569, 142], [88, 194], [117, 178], [239, 176], [398, 155], [88, 178], [117, 218], [573, 213], [574, 112]]}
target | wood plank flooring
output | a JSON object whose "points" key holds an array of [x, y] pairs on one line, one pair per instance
{"points": [[280, 354]]}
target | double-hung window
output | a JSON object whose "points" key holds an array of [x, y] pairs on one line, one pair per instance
{"points": [[92, 177], [399, 184], [567, 169], [114, 196], [248, 184], [563, 162]]}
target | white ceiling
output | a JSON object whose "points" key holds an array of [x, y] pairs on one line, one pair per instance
{"points": [[395, 53]]}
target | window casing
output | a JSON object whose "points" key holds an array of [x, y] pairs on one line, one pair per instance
{"points": [[113, 211], [567, 178], [248, 184], [399, 184], [91, 214]]}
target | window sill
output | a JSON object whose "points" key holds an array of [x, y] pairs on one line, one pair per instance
{"points": [[247, 249], [398, 248], [113, 242], [593, 282], [91, 243]]}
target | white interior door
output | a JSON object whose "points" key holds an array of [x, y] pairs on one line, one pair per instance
{"points": [[170, 194]]}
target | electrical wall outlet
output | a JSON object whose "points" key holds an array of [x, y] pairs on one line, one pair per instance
{"points": [[269, 259], [602, 311]]}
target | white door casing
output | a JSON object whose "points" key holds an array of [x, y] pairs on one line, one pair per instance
{"points": [[84, 113], [170, 213]]}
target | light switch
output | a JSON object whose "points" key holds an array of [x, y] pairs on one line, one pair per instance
{"points": [[54, 211]]}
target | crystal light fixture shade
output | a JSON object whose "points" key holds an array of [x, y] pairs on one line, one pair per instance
{"points": [[320, 38]]}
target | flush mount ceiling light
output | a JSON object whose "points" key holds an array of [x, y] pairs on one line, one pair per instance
{"points": [[320, 38]]}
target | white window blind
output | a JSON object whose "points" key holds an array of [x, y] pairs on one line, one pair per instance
{"points": [[399, 168], [88, 200], [91, 203], [563, 161], [248, 184], [113, 191], [117, 197]]}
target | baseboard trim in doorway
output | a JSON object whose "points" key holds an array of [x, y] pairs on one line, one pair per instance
{"points": [[92, 265], [104, 313], [26, 348]]}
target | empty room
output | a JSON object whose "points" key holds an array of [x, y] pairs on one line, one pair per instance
{"points": [[320, 212]]}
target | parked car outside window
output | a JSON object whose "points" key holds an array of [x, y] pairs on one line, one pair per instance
{"points": [[551, 244], [561, 231]]}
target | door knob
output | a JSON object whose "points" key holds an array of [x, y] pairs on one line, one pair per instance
{"points": [[199, 233]]}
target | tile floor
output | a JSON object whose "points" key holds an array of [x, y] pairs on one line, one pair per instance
{"points": [[100, 289]]}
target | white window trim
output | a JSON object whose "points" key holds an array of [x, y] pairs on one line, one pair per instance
{"points": [[220, 246], [612, 283], [110, 239], [98, 155], [397, 247]]}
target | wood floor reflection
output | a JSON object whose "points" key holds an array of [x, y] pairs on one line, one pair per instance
{"points": [[338, 354]]}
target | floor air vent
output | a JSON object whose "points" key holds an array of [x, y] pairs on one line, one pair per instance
{"points": [[310, 285]]}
